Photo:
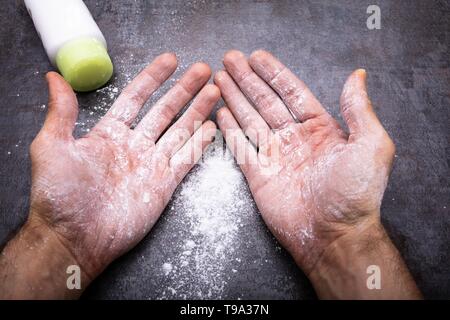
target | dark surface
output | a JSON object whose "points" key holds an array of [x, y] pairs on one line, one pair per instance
{"points": [[322, 41]]}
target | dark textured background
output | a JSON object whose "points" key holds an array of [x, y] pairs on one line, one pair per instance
{"points": [[322, 41]]}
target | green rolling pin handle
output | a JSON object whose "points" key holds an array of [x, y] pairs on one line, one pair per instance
{"points": [[84, 63]]}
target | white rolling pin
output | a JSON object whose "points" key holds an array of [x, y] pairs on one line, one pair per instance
{"points": [[73, 41]]}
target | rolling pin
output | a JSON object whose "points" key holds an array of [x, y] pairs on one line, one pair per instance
{"points": [[73, 42]]}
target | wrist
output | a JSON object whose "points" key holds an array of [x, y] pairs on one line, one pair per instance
{"points": [[363, 264], [35, 264]]}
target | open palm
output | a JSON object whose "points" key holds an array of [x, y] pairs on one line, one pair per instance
{"points": [[312, 182], [102, 193]]}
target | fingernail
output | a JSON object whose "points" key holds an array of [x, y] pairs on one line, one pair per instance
{"points": [[362, 72]]}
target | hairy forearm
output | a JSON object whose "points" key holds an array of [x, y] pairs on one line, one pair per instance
{"points": [[33, 265], [352, 265]]}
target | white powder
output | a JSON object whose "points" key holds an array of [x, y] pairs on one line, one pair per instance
{"points": [[166, 267], [89, 115], [210, 204], [146, 197], [92, 111]]}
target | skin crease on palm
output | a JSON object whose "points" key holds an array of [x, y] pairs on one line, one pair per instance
{"points": [[323, 182], [102, 193]]}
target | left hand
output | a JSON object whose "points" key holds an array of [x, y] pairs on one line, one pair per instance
{"points": [[313, 183]]}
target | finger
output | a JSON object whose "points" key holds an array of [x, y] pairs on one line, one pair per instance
{"points": [[295, 94], [62, 107], [135, 94], [190, 121], [356, 107], [191, 152], [266, 101], [249, 119], [244, 153], [162, 113]]}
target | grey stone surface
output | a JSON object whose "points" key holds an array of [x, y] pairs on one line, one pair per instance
{"points": [[322, 41]]}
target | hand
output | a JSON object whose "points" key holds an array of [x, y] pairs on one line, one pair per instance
{"points": [[100, 195], [325, 181], [313, 183]]}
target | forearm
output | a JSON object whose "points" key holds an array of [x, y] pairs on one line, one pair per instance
{"points": [[33, 265], [348, 268]]}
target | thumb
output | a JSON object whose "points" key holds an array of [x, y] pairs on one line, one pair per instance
{"points": [[356, 107], [62, 107]]}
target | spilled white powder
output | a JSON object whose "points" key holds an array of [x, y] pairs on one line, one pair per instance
{"points": [[166, 267], [101, 100], [211, 204]]}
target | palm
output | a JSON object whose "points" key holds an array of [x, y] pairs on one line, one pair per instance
{"points": [[100, 168], [284, 196], [310, 180], [102, 193], [319, 186]]}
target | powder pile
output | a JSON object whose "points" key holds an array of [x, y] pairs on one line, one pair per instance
{"points": [[211, 203]]}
